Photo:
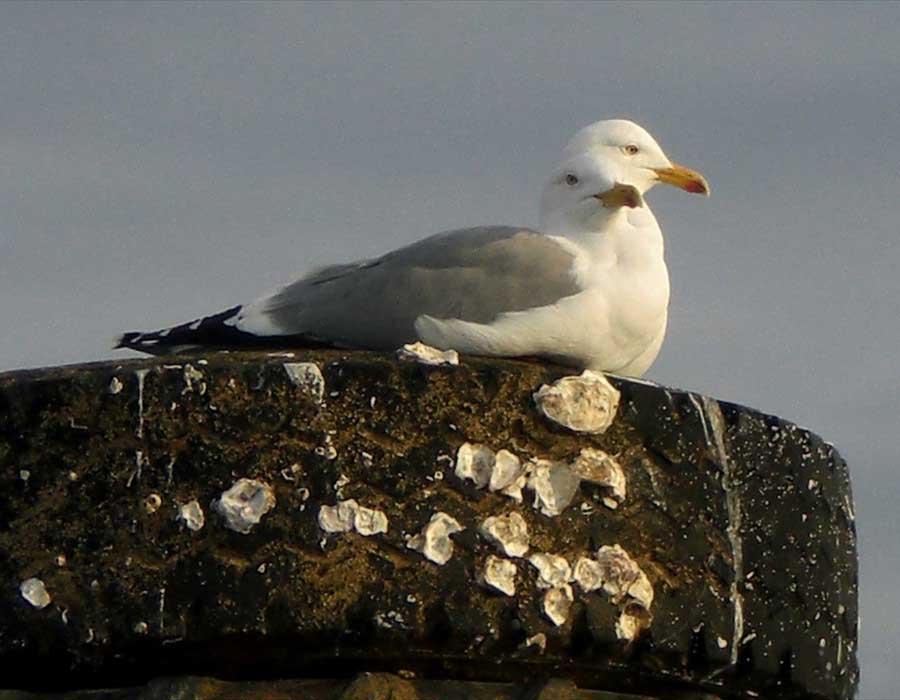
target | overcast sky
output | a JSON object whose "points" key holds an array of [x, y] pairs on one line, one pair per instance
{"points": [[162, 161]]}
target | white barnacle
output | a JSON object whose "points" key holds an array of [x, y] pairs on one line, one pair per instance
{"points": [[500, 574], [244, 504], [588, 574], [633, 619], [597, 467], [434, 540], [553, 570], [508, 476], [349, 515], [475, 462], [427, 355], [338, 518], [34, 591], [642, 591], [554, 485], [557, 603], [585, 404], [308, 377], [368, 521], [152, 503], [538, 640], [622, 576], [191, 514], [508, 532]]}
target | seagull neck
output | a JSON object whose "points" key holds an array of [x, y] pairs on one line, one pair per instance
{"points": [[573, 225], [622, 231], [583, 230]]}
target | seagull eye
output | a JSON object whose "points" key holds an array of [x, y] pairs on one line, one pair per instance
{"points": [[571, 180], [631, 149]]}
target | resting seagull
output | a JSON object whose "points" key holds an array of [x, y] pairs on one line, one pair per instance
{"points": [[590, 289]]}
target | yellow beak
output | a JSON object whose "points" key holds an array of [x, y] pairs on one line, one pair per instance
{"points": [[620, 196], [685, 178]]}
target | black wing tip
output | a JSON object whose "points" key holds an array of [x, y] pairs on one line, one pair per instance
{"points": [[126, 340], [212, 332], [151, 343], [208, 330]]}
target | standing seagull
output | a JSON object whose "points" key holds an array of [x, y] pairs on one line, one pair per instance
{"points": [[590, 289]]}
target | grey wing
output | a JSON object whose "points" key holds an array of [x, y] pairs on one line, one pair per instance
{"points": [[470, 274]]}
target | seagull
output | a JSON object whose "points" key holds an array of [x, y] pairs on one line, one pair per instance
{"points": [[588, 289]]}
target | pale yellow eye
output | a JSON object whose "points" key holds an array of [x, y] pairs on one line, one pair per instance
{"points": [[631, 149]]}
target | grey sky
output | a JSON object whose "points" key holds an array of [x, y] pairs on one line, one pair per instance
{"points": [[161, 161]]}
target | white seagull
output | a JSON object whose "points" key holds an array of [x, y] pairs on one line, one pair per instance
{"points": [[590, 289]]}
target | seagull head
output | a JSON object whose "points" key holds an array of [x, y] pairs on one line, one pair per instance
{"points": [[608, 165]]}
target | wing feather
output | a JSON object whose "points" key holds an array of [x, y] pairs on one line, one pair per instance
{"points": [[470, 274]]}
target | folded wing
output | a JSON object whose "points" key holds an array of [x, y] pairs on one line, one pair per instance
{"points": [[470, 274]]}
